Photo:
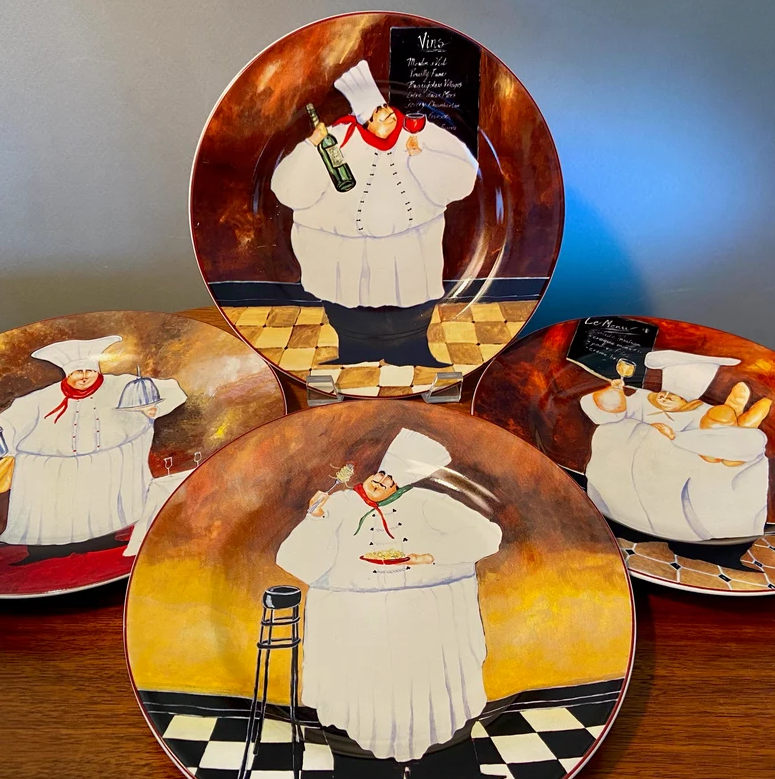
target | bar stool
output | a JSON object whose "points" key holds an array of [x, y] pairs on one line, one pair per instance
{"points": [[280, 598]]}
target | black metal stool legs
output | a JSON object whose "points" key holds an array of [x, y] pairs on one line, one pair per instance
{"points": [[297, 741], [280, 598]]}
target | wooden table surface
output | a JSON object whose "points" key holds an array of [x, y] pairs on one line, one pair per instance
{"points": [[700, 703]]}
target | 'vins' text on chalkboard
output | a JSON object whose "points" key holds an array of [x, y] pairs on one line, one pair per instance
{"points": [[435, 72], [601, 342]]}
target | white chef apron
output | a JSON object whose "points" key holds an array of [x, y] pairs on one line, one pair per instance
{"points": [[403, 270], [399, 670], [68, 499]]}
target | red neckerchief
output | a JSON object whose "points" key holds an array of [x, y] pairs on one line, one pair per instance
{"points": [[383, 144], [71, 393], [369, 502]]}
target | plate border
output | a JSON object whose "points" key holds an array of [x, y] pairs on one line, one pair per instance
{"points": [[417, 19]]}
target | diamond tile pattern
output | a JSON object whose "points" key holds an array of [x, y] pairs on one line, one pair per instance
{"points": [[656, 559]]}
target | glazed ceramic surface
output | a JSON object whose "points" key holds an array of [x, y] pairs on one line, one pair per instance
{"points": [[102, 416], [412, 232], [668, 427], [499, 641]]}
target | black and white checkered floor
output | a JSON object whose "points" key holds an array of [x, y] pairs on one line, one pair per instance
{"points": [[541, 734]]}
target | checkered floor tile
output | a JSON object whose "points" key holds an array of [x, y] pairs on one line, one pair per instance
{"points": [[532, 738], [299, 338], [543, 743]]}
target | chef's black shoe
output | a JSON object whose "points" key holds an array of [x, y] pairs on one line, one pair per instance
{"points": [[453, 762], [414, 351], [346, 767]]}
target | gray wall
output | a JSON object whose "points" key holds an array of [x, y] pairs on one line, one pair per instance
{"points": [[662, 111]]}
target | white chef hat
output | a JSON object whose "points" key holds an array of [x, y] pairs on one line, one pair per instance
{"points": [[361, 90], [685, 374], [413, 456], [76, 355]]}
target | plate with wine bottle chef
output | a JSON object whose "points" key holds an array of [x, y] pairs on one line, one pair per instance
{"points": [[102, 417], [377, 199], [668, 426]]}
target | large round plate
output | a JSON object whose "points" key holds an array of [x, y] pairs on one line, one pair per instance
{"points": [[685, 480], [83, 477], [433, 261], [511, 626]]}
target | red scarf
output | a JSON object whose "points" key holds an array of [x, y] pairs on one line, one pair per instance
{"points": [[71, 393], [373, 503], [383, 144]]}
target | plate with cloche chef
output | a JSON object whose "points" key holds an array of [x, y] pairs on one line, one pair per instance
{"points": [[102, 417]]}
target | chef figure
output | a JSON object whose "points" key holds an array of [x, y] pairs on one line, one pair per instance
{"points": [[393, 653], [373, 255], [668, 464], [81, 464]]}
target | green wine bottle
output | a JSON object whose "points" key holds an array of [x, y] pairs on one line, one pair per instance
{"points": [[341, 175]]}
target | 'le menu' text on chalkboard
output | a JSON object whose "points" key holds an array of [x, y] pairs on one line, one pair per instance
{"points": [[601, 342], [435, 72]]}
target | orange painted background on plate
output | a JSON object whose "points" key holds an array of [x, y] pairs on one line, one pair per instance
{"points": [[555, 599]]}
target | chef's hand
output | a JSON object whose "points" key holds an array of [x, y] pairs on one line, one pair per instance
{"points": [[420, 559], [413, 145], [150, 412], [611, 399], [664, 429], [323, 498], [319, 133]]}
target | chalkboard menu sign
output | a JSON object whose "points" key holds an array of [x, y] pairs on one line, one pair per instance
{"points": [[435, 72], [613, 347]]}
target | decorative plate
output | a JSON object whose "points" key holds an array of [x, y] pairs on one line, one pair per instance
{"points": [[668, 427], [412, 231], [102, 416], [503, 646]]}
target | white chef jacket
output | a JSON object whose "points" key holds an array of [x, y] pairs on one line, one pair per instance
{"points": [[392, 654], [640, 478], [85, 475], [380, 244]]}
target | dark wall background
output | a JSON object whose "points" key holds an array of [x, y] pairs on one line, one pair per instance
{"points": [[662, 113]]}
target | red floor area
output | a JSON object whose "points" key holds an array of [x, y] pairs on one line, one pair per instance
{"points": [[59, 573]]}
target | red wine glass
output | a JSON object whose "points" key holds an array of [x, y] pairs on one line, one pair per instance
{"points": [[414, 123]]}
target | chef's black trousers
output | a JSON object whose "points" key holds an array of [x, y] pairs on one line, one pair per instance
{"points": [[398, 336]]}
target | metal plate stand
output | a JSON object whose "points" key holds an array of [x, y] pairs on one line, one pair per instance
{"points": [[447, 387], [322, 390]]}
